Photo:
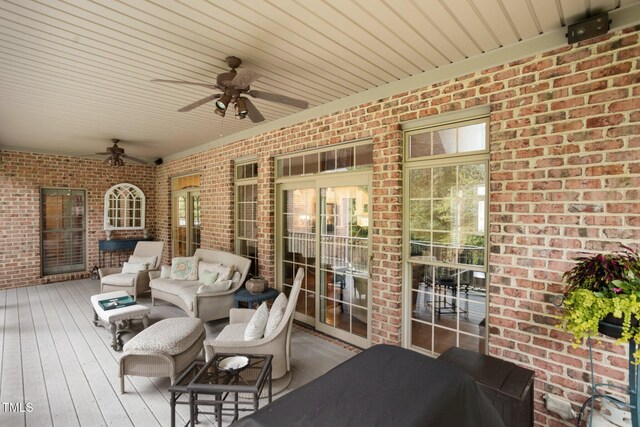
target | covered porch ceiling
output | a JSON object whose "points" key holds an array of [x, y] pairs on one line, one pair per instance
{"points": [[76, 73]]}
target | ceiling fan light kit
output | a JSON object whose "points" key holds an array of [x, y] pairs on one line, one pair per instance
{"points": [[233, 84], [117, 156], [241, 108]]}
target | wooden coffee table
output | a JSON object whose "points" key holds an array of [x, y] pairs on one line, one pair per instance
{"points": [[237, 388]]}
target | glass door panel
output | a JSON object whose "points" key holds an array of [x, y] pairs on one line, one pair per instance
{"points": [[344, 262], [186, 222], [194, 241], [299, 247]]}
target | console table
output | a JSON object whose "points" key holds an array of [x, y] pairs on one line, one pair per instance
{"points": [[112, 253]]}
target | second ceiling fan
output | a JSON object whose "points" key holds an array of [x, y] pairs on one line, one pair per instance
{"points": [[233, 84]]}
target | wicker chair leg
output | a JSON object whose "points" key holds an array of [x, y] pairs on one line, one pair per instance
{"points": [[121, 383]]}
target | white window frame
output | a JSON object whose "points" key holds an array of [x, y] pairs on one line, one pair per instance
{"points": [[129, 193]]}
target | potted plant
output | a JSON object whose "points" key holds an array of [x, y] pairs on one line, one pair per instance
{"points": [[603, 294]]}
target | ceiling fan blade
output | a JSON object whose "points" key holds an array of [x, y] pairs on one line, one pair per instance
{"points": [[126, 156], [102, 154], [199, 102], [282, 99], [244, 78], [181, 82], [253, 112]]}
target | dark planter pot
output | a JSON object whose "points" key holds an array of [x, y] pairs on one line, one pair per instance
{"points": [[612, 326]]}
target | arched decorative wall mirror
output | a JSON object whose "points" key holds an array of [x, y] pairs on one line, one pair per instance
{"points": [[124, 208]]}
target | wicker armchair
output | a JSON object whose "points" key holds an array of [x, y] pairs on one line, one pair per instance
{"points": [[113, 279], [278, 343]]}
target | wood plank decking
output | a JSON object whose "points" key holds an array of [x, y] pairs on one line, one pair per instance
{"points": [[57, 369]]}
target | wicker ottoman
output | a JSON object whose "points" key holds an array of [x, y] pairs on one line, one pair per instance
{"points": [[164, 349], [118, 319]]}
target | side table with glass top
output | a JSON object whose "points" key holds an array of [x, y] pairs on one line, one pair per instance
{"points": [[241, 387]]}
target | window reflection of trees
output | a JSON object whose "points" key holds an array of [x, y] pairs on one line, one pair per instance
{"points": [[447, 213]]}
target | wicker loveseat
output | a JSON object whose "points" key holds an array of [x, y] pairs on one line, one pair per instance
{"points": [[184, 293]]}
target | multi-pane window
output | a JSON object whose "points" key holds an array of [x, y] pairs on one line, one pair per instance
{"points": [[124, 207], [63, 230], [246, 213], [445, 206], [333, 160]]}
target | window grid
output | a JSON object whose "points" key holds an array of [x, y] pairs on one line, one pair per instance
{"points": [[446, 249], [124, 206], [63, 234], [339, 159], [246, 213]]}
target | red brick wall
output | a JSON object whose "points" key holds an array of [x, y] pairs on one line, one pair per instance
{"points": [[22, 175], [565, 173]]}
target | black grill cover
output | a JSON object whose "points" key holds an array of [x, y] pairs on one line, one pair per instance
{"points": [[383, 386]]}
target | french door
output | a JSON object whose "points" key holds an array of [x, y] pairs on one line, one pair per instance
{"points": [[325, 230], [186, 222]]}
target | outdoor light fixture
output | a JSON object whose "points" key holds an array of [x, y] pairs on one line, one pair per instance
{"points": [[241, 108], [589, 28], [223, 102]]}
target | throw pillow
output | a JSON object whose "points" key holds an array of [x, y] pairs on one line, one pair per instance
{"points": [[133, 268], [255, 328], [165, 272], [276, 314], [225, 285], [208, 266], [207, 277], [224, 272], [149, 260], [184, 268]]}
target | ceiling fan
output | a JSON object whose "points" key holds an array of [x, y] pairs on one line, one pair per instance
{"points": [[116, 155], [233, 84]]}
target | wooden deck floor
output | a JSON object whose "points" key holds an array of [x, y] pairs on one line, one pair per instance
{"points": [[56, 368]]}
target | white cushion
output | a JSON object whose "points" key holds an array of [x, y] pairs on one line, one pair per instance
{"points": [[186, 294], [232, 332], [165, 272], [255, 328], [236, 277], [275, 314], [169, 285], [225, 285], [207, 277], [208, 266], [184, 268], [170, 336], [130, 267], [225, 272], [120, 279], [149, 260]]}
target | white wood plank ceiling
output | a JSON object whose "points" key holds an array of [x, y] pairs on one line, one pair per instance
{"points": [[76, 73]]}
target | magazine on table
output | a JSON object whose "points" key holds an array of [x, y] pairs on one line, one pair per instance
{"points": [[111, 303]]}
